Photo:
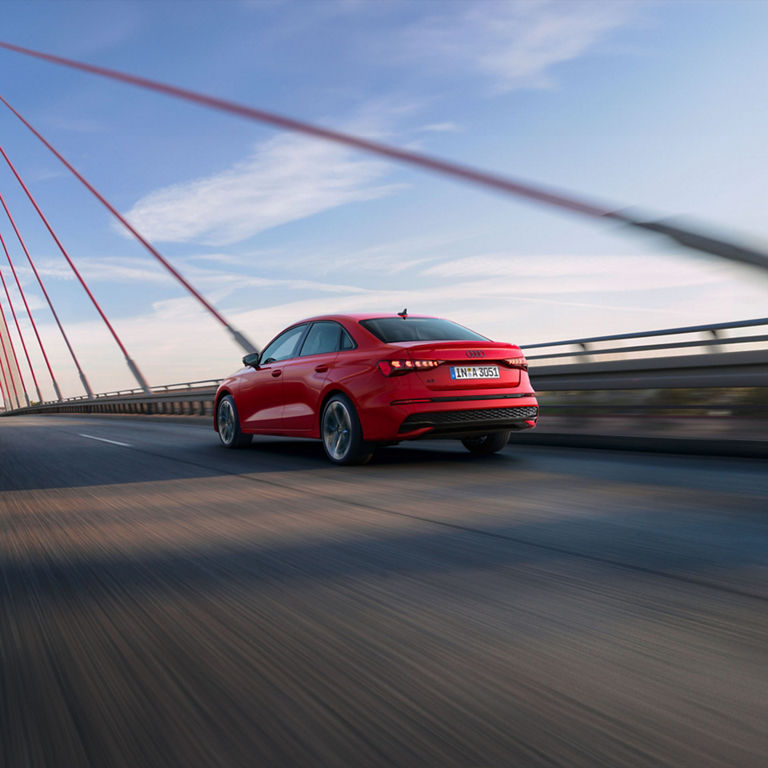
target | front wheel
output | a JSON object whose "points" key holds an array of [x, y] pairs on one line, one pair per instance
{"points": [[228, 424], [342, 434], [484, 445]]}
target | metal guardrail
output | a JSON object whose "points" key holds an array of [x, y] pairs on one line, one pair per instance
{"points": [[656, 365], [187, 385], [736, 369], [574, 370], [186, 398], [713, 329]]}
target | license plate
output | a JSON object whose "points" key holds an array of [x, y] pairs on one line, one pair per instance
{"points": [[474, 372]]}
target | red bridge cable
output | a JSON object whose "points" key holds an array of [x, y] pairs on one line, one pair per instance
{"points": [[685, 237], [237, 335], [83, 379], [29, 258], [18, 330], [31, 320]]}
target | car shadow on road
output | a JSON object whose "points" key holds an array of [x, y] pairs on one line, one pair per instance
{"points": [[694, 548], [416, 452], [47, 465]]}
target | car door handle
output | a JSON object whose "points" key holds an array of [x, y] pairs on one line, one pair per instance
{"points": [[321, 368], [277, 372]]}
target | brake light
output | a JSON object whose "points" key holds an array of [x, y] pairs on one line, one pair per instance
{"points": [[515, 362], [399, 367]]}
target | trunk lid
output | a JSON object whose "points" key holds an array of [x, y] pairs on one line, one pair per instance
{"points": [[466, 365]]}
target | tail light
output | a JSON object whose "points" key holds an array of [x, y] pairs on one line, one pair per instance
{"points": [[399, 367], [515, 362]]}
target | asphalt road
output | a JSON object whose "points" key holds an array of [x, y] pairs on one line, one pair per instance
{"points": [[164, 602]]}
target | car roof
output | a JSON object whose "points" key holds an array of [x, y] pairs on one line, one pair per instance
{"points": [[357, 317]]}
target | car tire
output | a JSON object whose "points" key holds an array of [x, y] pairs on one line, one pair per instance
{"points": [[228, 424], [342, 434], [485, 445]]}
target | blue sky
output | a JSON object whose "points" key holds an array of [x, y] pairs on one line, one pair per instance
{"points": [[658, 106]]}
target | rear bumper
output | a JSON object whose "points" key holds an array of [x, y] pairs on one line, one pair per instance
{"points": [[448, 416], [469, 421]]}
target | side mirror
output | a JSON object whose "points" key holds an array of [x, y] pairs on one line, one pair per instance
{"points": [[252, 359]]}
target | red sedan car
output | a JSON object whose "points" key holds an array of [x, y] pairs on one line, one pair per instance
{"points": [[358, 381]]}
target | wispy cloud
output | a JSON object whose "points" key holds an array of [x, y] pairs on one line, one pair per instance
{"points": [[76, 124], [515, 44], [42, 174], [446, 127], [217, 283], [34, 302], [576, 274], [284, 179], [389, 257], [234, 259], [107, 270]]}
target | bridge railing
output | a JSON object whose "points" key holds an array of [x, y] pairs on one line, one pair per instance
{"points": [[617, 361], [590, 346], [193, 398]]}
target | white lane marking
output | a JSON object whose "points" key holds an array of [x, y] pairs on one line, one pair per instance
{"points": [[104, 440]]}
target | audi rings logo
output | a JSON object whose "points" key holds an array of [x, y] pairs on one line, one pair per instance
{"points": [[475, 353]]}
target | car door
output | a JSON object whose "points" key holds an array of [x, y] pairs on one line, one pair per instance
{"points": [[305, 376], [261, 396]]}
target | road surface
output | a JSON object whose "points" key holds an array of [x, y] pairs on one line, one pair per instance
{"points": [[165, 602]]}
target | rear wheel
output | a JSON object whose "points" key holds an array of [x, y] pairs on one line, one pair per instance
{"points": [[342, 434], [228, 424], [484, 445]]}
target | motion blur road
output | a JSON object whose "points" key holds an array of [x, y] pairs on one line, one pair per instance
{"points": [[165, 602]]}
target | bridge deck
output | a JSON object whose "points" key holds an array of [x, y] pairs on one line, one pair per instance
{"points": [[165, 602]]}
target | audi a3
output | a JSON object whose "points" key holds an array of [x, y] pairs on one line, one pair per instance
{"points": [[359, 381]]}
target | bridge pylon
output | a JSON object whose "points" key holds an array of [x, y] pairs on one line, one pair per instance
{"points": [[9, 371]]}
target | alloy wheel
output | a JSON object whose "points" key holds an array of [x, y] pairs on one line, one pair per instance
{"points": [[226, 422], [337, 430]]}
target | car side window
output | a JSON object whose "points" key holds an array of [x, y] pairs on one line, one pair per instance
{"points": [[346, 341], [284, 346], [322, 338]]}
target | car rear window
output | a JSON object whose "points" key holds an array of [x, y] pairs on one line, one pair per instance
{"points": [[389, 329]]}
